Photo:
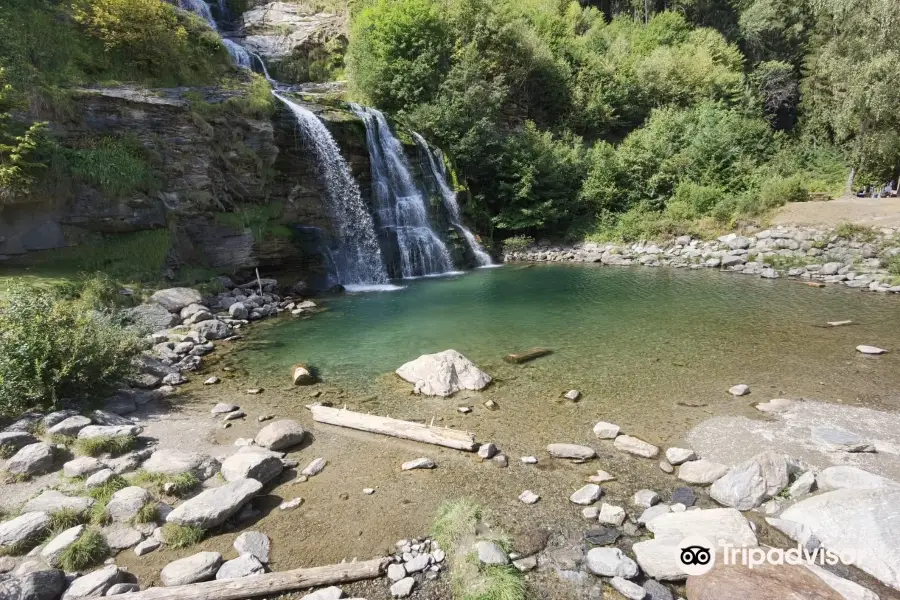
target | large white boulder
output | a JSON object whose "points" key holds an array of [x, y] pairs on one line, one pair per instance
{"points": [[443, 374], [722, 526], [752, 482], [25, 527], [864, 522], [171, 462], [213, 507], [174, 299], [191, 569], [280, 435], [260, 466], [33, 459]]}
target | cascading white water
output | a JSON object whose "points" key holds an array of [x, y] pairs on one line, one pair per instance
{"points": [[201, 8], [358, 261], [400, 204], [239, 54], [439, 172]]}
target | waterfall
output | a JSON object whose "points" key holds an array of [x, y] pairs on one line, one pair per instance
{"points": [[265, 69], [358, 261], [201, 8], [400, 204], [438, 171], [239, 54]]}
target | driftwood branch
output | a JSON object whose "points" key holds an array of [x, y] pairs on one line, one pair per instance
{"points": [[270, 584], [450, 438]]}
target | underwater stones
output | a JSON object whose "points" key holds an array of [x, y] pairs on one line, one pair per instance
{"points": [[676, 456], [587, 495], [739, 390], [606, 431], [871, 350], [636, 446], [572, 451], [752, 482], [701, 472], [523, 357], [528, 497], [443, 374]]}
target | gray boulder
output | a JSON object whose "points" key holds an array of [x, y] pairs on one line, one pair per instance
{"points": [[238, 311], [701, 472], [55, 547], [213, 507], [174, 299], [751, 483], [489, 553], [33, 459], [123, 588], [16, 440], [572, 451], [254, 543], [242, 566], [53, 501], [252, 465], [280, 435], [109, 418], [152, 317], [70, 426], [121, 537], [37, 585], [169, 462], [23, 529], [212, 329], [93, 584], [198, 567], [833, 439], [610, 562], [82, 466], [98, 431], [126, 503]]}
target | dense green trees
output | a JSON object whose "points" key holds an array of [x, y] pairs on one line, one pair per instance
{"points": [[569, 117]]}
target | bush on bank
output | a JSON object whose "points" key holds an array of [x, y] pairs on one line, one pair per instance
{"points": [[54, 350]]}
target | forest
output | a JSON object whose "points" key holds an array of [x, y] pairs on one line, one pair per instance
{"points": [[639, 119], [562, 119]]}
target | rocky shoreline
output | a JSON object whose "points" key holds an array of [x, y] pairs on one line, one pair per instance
{"points": [[629, 545], [859, 260]]}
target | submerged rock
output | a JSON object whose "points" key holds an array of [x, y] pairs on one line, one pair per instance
{"points": [[302, 375], [573, 451], [751, 483], [636, 446], [443, 374]]}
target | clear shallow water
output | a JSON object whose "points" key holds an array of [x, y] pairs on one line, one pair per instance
{"points": [[636, 342], [653, 350]]}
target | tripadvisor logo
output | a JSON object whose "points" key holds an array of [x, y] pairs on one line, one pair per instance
{"points": [[697, 556]]}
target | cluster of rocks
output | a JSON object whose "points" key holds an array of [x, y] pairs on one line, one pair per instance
{"points": [[185, 325], [803, 253], [245, 473], [415, 562], [835, 508], [31, 456]]}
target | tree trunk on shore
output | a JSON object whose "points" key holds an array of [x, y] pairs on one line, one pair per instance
{"points": [[270, 584], [440, 436]]}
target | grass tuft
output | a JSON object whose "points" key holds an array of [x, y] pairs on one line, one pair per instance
{"points": [[455, 520], [856, 232], [65, 519], [101, 496], [147, 514], [496, 583], [455, 530], [116, 445], [7, 451], [63, 440], [161, 484], [88, 550], [181, 536]]}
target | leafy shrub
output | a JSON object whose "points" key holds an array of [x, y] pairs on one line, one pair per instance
{"points": [[781, 190], [20, 146], [51, 350], [517, 243], [893, 266]]}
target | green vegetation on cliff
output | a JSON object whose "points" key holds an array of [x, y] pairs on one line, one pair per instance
{"points": [[567, 120]]}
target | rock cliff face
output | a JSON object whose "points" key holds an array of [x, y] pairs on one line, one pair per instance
{"points": [[298, 42], [234, 191]]}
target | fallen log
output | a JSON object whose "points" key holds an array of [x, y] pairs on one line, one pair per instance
{"points": [[523, 357], [270, 584], [450, 438]]}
